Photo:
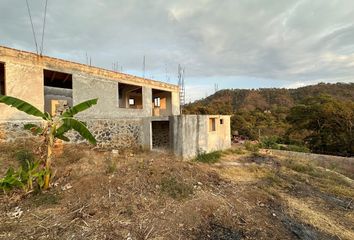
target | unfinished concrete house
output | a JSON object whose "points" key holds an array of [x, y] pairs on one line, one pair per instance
{"points": [[131, 111]]}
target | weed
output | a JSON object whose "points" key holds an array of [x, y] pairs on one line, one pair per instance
{"points": [[11, 180], [111, 166], [175, 188], [238, 151], [300, 167], [272, 178], [23, 177], [212, 157], [45, 199], [24, 157]]}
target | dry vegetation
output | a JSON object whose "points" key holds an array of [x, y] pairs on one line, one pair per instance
{"points": [[141, 195]]}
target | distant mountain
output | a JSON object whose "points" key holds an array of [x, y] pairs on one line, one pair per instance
{"points": [[229, 101]]}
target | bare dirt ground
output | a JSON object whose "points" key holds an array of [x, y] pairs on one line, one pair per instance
{"points": [[154, 195]]}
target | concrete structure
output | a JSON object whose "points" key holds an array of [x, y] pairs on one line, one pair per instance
{"points": [[193, 134], [143, 110]]}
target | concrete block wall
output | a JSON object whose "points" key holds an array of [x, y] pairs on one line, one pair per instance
{"points": [[24, 79]]}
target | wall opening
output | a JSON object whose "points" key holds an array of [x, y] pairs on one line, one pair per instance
{"points": [[212, 124], [161, 103], [221, 121], [130, 96], [2, 79], [160, 134], [58, 92]]}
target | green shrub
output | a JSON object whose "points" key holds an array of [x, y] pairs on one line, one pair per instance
{"points": [[252, 147], [296, 148], [45, 199], [270, 142], [211, 157], [175, 188]]}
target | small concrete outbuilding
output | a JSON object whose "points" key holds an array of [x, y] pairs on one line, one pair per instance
{"points": [[131, 112]]}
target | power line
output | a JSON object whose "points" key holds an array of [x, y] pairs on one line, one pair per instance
{"points": [[45, 14], [34, 34]]}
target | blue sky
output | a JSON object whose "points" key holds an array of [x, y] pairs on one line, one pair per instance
{"points": [[235, 44]]}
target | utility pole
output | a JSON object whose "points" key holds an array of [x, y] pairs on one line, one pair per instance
{"points": [[182, 89]]}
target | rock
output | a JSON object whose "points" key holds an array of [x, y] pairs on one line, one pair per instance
{"points": [[17, 213], [66, 187]]}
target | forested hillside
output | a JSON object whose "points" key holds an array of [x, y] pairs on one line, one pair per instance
{"points": [[276, 113]]}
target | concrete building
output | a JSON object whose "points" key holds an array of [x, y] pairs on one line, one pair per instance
{"points": [[131, 111]]}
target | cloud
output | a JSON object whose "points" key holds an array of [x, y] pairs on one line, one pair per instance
{"points": [[287, 41]]}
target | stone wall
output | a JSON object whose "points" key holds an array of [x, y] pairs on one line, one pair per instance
{"points": [[111, 134], [11, 131]]}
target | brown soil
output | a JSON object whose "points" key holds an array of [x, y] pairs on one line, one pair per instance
{"points": [[154, 195]]}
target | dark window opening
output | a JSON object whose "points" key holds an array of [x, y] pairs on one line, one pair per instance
{"points": [[130, 96], [2, 79], [57, 91], [221, 121], [58, 79]]}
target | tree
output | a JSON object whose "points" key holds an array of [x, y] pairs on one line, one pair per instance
{"points": [[54, 127], [328, 123]]}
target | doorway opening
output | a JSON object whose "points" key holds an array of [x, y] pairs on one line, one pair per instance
{"points": [[2, 79], [160, 134]]}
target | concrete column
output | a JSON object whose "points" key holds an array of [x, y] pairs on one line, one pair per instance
{"points": [[175, 103], [147, 100]]}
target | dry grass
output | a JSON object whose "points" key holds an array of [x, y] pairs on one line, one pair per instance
{"points": [[308, 211], [150, 195]]}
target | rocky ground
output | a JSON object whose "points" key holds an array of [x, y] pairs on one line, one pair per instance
{"points": [[154, 195]]}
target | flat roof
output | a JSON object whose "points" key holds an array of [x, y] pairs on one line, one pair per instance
{"points": [[84, 68]]}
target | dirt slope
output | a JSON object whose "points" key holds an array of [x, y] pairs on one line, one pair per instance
{"points": [[99, 195]]}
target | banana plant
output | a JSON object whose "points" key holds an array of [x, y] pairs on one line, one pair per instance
{"points": [[54, 127]]}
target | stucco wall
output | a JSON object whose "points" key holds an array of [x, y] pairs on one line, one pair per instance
{"points": [[221, 138], [190, 134]]}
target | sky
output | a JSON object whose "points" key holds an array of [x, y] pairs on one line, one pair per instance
{"points": [[231, 43]]}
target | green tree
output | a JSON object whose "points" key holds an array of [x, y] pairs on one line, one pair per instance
{"points": [[326, 123], [54, 127]]}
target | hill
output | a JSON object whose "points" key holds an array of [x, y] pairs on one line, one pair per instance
{"points": [[277, 113], [230, 100]]}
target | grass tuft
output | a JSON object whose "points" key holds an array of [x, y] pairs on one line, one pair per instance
{"points": [[212, 157], [175, 188]]}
